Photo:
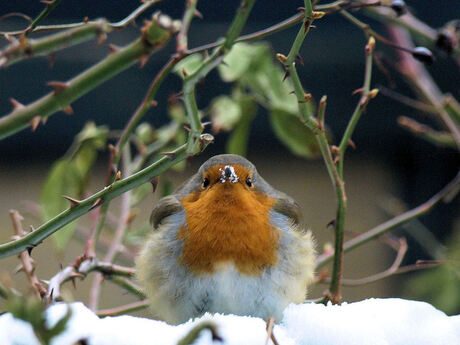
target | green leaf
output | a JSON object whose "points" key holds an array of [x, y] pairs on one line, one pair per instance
{"points": [[239, 138], [190, 64], [225, 113], [69, 176], [239, 60], [292, 133]]}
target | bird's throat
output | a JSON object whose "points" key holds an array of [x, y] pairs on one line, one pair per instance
{"points": [[228, 225]]}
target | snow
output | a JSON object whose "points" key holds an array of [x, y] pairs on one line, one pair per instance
{"points": [[228, 172], [372, 321]]}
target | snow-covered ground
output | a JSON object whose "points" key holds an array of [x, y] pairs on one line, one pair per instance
{"points": [[372, 321]]}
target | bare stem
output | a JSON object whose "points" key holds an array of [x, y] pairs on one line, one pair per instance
{"points": [[119, 233], [124, 309], [80, 269], [393, 223], [206, 66], [43, 14], [26, 261], [182, 39], [154, 35]]}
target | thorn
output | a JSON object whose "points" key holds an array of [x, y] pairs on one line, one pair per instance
{"points": [[301, 9], [184, 73], [153, 103], [224, 63], [298, 58], [154, 183], [331, 224], [97, 203], [306, 26], [170, 155], [198, 14], [72, 279], [187, 128], [113, 48], [16, 104], [175, 97], [31, 228], [77, 275], [68, 110], [352, 144], [292, 92], [113, 151], [207, 123], [58, 86], [30, 248], [360, 90], [35, 122], [46, 2], [286, 74], [143, 60], [44, 120], [18, 269], [73, 202], [86, 20], [307, 97], [117, 176], [101, 37]]}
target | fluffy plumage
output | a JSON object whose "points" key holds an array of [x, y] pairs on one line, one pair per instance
{"points": [[226, 242]]}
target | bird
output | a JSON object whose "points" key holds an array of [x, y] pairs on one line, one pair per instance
{"points": [[225, 242]]}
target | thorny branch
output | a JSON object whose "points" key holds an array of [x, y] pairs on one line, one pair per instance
{"points": [[27, 263], [80, 269]]}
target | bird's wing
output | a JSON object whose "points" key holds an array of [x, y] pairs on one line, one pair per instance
{"points": [[288, 207], [166, 207]]}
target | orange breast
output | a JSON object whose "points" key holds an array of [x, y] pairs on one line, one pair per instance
{"points": [[228, 223]]}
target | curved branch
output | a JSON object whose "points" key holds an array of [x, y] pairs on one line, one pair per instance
{"points": [[154, 35], [80, 208]]}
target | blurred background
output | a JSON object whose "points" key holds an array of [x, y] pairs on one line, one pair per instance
{"points": [[388, 163]]}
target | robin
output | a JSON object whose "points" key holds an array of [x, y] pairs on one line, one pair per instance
{"points": [[225, 242]]}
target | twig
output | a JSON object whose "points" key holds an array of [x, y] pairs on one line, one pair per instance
{"points": [[392, 223], [26, 261], [436, 137], [80, 269], [26, 48], [124, 309], [423, 84], [413, 103], [34, 238], [206, 66], [401, 252], [119, 233], [43, 14], [154, 35], [193, 334], [418, 29], [189, 14]]}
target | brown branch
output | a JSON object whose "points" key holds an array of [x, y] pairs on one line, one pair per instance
{"points": [[124, 309], [80, 269], [393, 223], [27, 264]]}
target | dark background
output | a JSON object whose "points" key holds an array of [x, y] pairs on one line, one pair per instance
{"points": [[334, 65]]}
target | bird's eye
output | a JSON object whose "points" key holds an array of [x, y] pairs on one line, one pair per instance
{"points": [[249, 182], [205, 183]]}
